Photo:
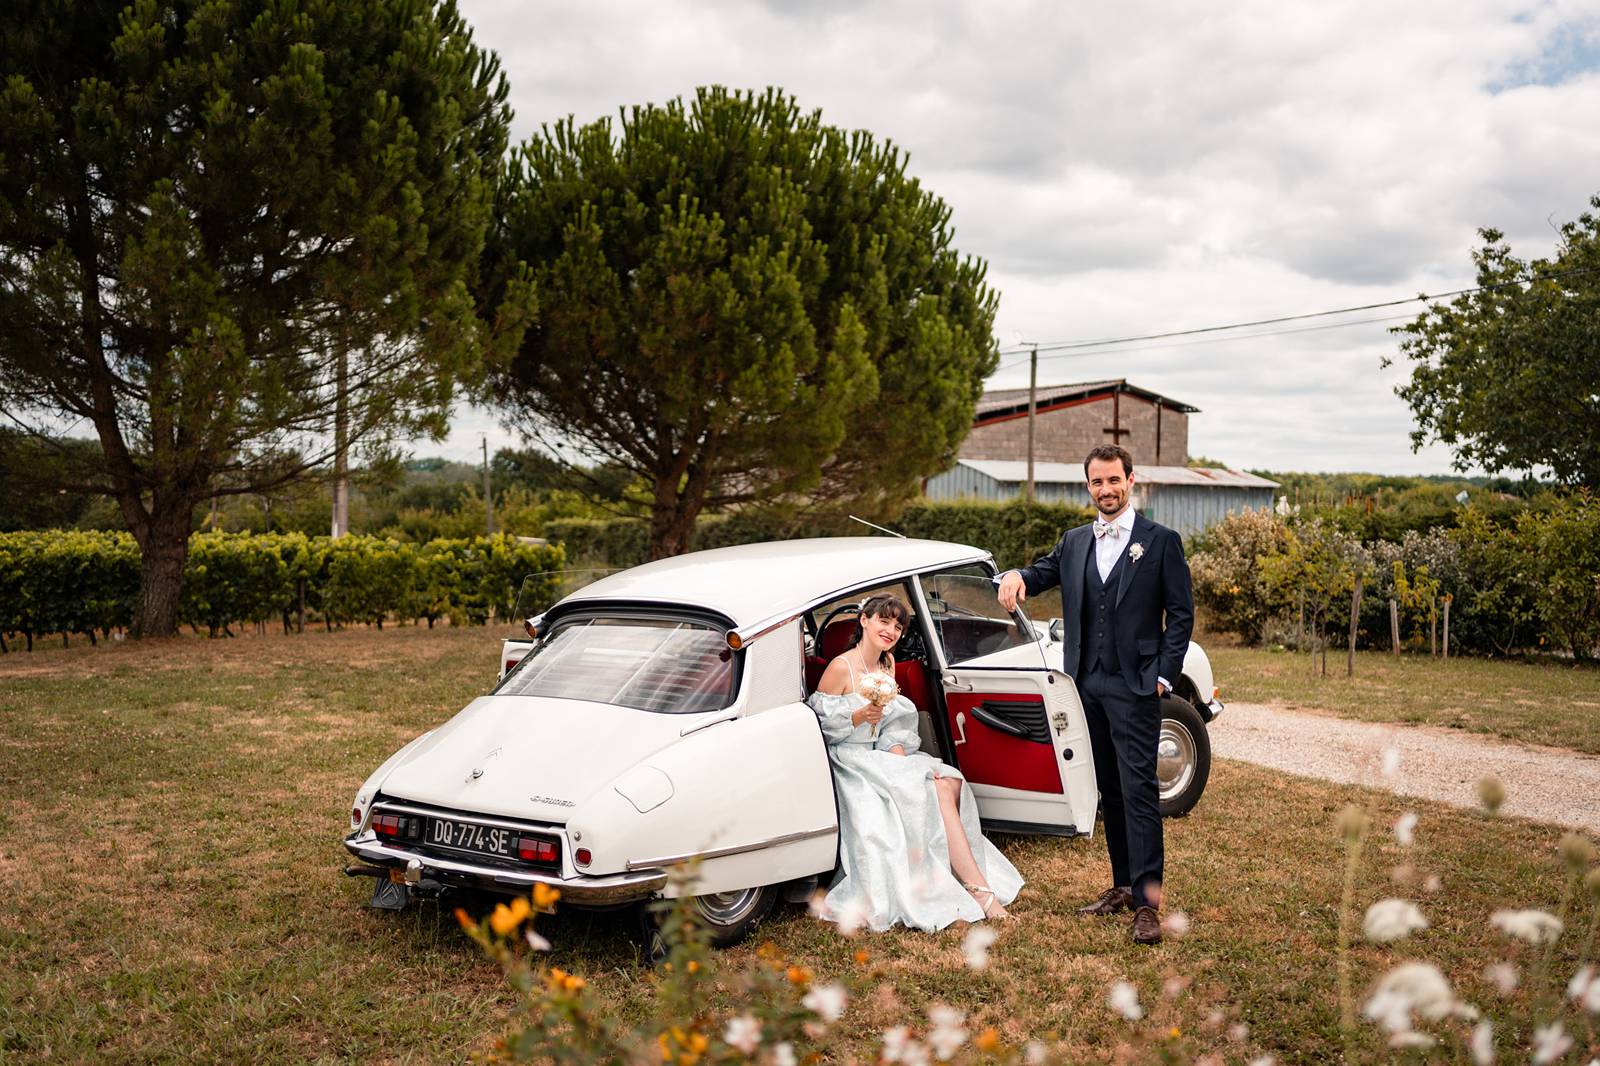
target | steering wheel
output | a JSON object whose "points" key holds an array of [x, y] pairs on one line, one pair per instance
{"points": [[822, 627]]}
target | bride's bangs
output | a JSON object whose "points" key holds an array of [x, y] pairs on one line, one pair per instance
{"points": [[887, 605]]}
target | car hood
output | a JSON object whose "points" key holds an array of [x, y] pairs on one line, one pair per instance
{"points": [[530, 757]]}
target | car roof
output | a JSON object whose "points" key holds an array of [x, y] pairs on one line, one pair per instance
{"points": [[750, 583]]}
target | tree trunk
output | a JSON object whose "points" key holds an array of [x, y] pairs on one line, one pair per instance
{"points": [[1355, 619], [163, 548], [672, 515], [1447, 600]]}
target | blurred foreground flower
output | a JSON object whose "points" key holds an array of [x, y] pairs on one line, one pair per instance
{"points": [[1491, 793], [1124, 999], [947, 1031], [1534, 926], [1481, 1044], [1405, 829], [743, 1033], [1175, 924], [1504, 976], [1408, 1038], [783, 1055], [1389, 920], [1391, 762], [505, 919], [1410, 988], [1584, 989], [1550, 1042], [826, 1001], [976, 944], [1577, 850], [545, 897], [899, 1047]]}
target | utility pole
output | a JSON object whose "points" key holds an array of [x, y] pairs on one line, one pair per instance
{"points": [[488, 499], [1033, 403], [341, 447]]}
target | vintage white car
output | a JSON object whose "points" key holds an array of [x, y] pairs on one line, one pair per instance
{"points": [[658, 719]]}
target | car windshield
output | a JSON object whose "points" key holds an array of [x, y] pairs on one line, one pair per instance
{"points": [[672, 667]]}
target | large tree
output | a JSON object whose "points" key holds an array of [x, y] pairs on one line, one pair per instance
{"points": [[1509, 375], [742, 305], [238, 237]]}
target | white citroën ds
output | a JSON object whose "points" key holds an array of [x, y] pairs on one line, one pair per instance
{"points": [[656, 718]]}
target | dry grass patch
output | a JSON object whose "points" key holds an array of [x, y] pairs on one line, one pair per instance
{"points": [[169, 838]]}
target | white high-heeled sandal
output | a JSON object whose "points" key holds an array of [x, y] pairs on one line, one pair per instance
{"points": [[993, 908]]}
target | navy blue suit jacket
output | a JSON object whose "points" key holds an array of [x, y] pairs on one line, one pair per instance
{"points": [[1154, 602]]}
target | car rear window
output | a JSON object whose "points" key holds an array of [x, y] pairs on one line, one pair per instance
{"points": [[668, 666]]}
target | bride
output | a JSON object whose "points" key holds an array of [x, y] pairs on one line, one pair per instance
{"points": [[910, 849]]}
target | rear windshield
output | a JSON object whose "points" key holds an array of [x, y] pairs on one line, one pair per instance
{"points": [[668, 666]]}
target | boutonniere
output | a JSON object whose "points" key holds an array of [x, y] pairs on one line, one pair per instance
{"points": [[1136, 552]]}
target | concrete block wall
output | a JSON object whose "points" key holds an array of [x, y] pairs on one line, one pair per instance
{"points": [[1067, 434]]}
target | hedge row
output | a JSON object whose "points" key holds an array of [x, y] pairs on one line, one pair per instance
{"points": [[82, 582], [1017, 533]]}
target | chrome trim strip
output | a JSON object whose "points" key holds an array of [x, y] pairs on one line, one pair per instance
{"points": [[497, 823], [1217, 707], [615, 888], [696, 727], [737, 849]]}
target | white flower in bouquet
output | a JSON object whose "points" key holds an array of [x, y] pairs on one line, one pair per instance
{"points": [[878, 689]]}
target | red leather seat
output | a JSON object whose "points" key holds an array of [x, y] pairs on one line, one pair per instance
{"points": [[909, 675]]}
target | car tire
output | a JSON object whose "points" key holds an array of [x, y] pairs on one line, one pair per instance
{"points": [[1183, 757], [731, 916]]}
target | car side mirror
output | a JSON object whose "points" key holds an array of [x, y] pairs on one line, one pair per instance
{"points": [[1057, 630]]}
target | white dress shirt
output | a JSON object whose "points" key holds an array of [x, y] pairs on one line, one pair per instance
{"points": [[1108, 548]]}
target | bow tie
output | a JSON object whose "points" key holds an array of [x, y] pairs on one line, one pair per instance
{"points": [[1107, 529]]}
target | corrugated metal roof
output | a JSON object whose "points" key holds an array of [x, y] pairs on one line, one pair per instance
{"points": [[1003, 400], [1016, 470]]}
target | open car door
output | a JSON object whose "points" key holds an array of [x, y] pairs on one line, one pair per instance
{"points": [[1016, 726]]}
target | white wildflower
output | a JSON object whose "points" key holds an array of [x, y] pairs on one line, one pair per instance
{"points": [[1238, 1032], [1584, 989], [1175, 924], [1550, 1042], [1432, 884], [818, 906], [895, 1041], [976, 944], [743, 1033], [1481, 1044], [535, 941], [852, 916], [1035, 1054], [1264, 1060], [947, 1032], [1391, 762], [1389, 920], [1411, 1039], [826, 1001], [1504, 976], [783, 1055], [1411, 987], [1175, 986], [1124, 999], [1536, 927], [1405, 829]]}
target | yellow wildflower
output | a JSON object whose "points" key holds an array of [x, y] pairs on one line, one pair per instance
{"points": [[1174, 1032], [987, 1040], [544, 897], [464, 918], [694, 966], [560, 980], [799, 975], [862, 956], [505, 919]]}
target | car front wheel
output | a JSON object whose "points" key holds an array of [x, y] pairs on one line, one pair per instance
{"points": [[1183, 757]]}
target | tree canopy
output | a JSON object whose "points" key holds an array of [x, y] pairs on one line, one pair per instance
{"points": [[1509, 375], [226, 226], [742, 304]]}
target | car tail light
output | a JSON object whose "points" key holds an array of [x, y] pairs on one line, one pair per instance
{"points": [[537, 849], [397, 825], [582, 857], [355, 815]]}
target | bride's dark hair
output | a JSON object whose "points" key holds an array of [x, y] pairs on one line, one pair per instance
{"points": [[885, 603]]}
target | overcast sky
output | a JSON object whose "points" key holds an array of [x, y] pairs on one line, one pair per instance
{"points": [[1137, 168]]}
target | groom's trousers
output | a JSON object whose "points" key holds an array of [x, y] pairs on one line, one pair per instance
{"points": [[1124, 731]]}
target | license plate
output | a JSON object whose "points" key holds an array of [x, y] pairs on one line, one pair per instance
{"points": [[465, 836]]}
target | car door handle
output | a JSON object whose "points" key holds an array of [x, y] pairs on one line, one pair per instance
{"points": [[994, 721], [961, 728], [949, 681]]}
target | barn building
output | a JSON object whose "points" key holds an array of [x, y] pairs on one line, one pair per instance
{"points": [[1069, 420]]}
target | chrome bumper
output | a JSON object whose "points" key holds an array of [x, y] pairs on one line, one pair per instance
{"points": [[1216, 707], [580, 891]]}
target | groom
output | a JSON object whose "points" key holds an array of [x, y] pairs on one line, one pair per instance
{"points": [[1119, 576]]}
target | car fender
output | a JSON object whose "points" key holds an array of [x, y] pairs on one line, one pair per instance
{"points": [[738, 803], [369, 788], [1197, 671]]}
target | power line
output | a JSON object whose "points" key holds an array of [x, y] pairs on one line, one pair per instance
{"points": [[1057, 346], [1077, 354]]}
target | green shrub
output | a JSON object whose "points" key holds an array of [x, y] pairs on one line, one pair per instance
{"points": [[1225, 564]]}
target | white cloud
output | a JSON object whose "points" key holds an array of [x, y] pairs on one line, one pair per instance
{"points": [[1130, 169]]}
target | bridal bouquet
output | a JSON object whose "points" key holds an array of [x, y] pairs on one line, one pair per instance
{"points": [[878, 689]]}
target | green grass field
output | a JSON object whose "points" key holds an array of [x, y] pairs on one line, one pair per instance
{"points": [[170, 818], [1550, 702]]}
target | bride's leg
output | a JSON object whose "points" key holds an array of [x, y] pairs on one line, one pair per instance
{"points": [[962, 862]]}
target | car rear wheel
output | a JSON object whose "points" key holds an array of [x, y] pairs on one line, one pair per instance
{"points": [[731, 916], [1183, 757]]}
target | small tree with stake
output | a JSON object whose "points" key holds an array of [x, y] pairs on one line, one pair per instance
{"points": [[1323, 565]]}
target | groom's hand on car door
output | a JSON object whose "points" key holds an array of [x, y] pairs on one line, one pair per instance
{"points": [[1012, 590]]}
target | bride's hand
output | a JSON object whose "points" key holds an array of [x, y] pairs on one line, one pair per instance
{"points": [[869, 713]]}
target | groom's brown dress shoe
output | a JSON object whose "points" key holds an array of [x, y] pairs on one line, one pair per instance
{"points": [[1146, 926], [1111, 901]]}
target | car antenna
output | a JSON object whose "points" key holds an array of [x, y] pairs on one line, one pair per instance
{"points": [[875, 525]]}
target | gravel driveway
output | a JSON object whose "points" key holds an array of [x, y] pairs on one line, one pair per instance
{"points": [[1544, 784]]}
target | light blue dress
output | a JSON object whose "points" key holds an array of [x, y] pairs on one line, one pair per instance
{"points": [[894, 861]]}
